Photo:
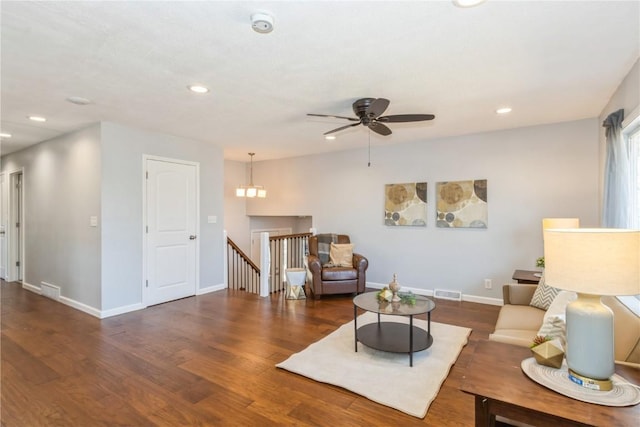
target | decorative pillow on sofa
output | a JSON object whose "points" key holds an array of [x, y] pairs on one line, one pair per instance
{"points": [[341, 254], [544, 295], [554, 327], [559, 304]]}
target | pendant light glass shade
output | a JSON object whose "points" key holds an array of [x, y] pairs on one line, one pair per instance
{"points": [[251, 190]]}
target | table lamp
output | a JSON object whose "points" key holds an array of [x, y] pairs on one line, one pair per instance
{"points": [[592, 262]]}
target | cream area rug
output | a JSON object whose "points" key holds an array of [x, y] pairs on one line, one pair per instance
{"points": [[383, 377]]}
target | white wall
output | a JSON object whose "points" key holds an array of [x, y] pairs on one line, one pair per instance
{"points": [[122, 238], [61, 185], [532, 173], [236, 221]]}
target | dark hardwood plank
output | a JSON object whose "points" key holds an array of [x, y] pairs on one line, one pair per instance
{"points": [[200, 361]]}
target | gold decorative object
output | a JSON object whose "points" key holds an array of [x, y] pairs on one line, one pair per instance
{"points": [[549, 353], [385, 295], [395, 287]]}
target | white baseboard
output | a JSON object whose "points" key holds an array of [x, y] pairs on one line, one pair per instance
{"points": [[482, 300], [429, 293], [30, 287], [209, 289], [67, 301], [121, 310], [80, 306]]}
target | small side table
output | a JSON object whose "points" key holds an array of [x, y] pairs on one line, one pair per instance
{"points": [[526, 276], [296, 278]]}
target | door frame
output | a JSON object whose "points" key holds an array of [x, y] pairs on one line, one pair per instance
{"points": [[4, 215], [145, 159], [13, 241]]}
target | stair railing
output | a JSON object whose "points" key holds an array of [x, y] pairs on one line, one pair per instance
{"points": [[284, 251]]}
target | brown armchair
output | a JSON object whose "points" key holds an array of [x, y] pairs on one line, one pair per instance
{"points": [[335, 280]]}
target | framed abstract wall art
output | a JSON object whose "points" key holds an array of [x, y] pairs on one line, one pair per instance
{"points": [[405, 204], [461, 204]]}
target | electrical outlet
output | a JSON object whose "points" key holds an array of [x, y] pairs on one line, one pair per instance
{"points": [[487, 283]]}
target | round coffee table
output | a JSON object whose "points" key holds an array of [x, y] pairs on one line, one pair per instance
{"points": [[393, 337]]}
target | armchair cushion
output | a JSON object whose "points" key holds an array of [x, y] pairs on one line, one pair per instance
{"points": [[339, 273], [341, 255]]}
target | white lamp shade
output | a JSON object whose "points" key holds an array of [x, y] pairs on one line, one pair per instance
{"points": [[597, 261], [560, 223], [239, 192], [262, 193]]}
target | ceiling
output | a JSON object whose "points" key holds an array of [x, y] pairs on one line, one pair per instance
{"points": [[550, 61]]}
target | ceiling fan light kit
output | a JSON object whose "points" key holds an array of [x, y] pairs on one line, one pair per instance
{"points": [[251, 190], [369, 112]]}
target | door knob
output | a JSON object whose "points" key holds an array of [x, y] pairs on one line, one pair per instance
{"points": [[192, 237]]}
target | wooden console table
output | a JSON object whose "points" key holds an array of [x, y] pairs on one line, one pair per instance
{"points": [[526, 276], [500, 387]]}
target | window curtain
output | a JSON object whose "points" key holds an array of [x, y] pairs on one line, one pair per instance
{"points": [[617, 175]]}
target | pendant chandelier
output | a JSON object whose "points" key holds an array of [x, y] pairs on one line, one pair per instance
{"points": [[251, 190]]}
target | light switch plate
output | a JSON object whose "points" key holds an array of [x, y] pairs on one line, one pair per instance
{"points": [[93, 221], [212, 219]]}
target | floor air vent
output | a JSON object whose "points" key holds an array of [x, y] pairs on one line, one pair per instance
{"points": [[50, 291], [452, 295]]}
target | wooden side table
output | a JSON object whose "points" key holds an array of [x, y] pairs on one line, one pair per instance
{"points": [[500, 387], [526, 276]]}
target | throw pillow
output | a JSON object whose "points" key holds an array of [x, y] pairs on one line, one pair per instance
{"points": [[559, 305], [554, 327], [544, 295], [324, 246], [341, 254]]}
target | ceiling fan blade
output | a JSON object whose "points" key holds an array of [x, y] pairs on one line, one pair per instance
{"points": [[337, 117], [379, 128], [377, 107], [341, 128], [399, 118]]}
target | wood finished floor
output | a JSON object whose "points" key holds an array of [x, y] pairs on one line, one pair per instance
{"points": [[200, 361]]}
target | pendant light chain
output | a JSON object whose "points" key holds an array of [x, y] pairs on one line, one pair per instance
{"points": [[251, 190], [251, 169]]}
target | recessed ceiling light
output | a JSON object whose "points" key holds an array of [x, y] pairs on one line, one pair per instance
{"points": [[37, 118], [329, 137], [468, 3], [78, 100], [503, 110], [198, 89], [5, 135]]}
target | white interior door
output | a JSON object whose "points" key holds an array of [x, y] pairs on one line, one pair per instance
{"points": [[14, 233], [171, 230]]}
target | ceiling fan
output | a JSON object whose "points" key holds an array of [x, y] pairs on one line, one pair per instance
{"points": [[369, 112]]}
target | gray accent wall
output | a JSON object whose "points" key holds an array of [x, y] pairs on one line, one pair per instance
{"points": [[533, 173], [98, 172], [122, 233], [61, 187]]}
